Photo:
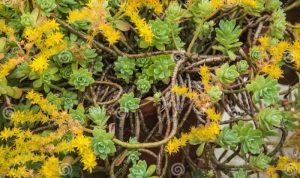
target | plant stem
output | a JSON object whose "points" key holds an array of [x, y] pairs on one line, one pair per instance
{"points": [[197, 32]]}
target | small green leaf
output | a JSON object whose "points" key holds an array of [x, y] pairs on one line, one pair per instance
{"points": [[200, 149]]}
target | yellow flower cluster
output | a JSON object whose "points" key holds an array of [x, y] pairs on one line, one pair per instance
{"points": [[205, 74], [278, 50], [50, 168], [250, 3], [9, 31], [83, 145], [213, 115], [199, 134], [281, 51], [7, 133], [180, 90], [110, 33], [271, 172], [175, 144], [288, 166], [272, 67], [295, 53], [202, 100], [27, 146], [264, 42], [35, 34], [44, 104], [23, 117], [272, 70], [205, 133], [81, 15], [51, 45], [95, 13], [8, 66], [131, 10]]}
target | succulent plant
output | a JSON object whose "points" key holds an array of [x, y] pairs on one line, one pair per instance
{"points": [[98, 66], [255, 53], [124, 68], [46, 5], [143, 85], [143, 62], [102, 143], [242, 66], [227, 74], [27, 20], [129, 103], [278, 24], [250, 138], [69, 99], [81, 78], [202, 8], [214, 93], [173, 12], [63, 57], [261, 161], [133, 154], [240, 174], [98, 115], [78, 114], [65, 72], [162, 67], [273, 5], [141, 170], [268, 118], [228, 36], [161, 32], [257, 9], [265, 89], [46, 78], [64, 6], [228, 138], [54, 99]]}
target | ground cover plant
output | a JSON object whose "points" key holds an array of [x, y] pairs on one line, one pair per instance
{"points": [[149, 88]]}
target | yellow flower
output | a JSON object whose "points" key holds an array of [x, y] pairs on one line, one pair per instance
{"points": [[8, 66], [278, 50], [7, 133], [212, 115], [272, 70], [44, 104], [295, 53], [175, 144], [88, 160], [111, 35], [271, 171], [39, 64], [180, 90], [155, 4], [218, 4], [9, 31], [282, 161], [81, 143], [250, 3], [205, 75], [143, 28], [50, 168], [264, 42], [54, 39], [192, 95], [205, 133]]}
